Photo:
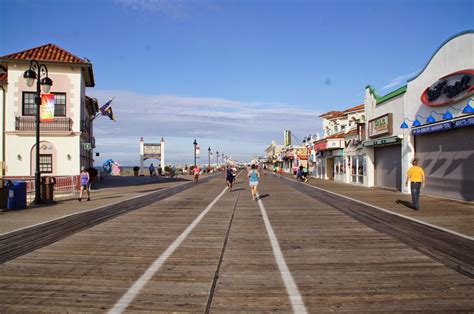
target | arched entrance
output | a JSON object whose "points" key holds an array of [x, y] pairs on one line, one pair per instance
{"points": [[48, 158]]}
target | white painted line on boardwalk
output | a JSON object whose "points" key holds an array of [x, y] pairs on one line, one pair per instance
{"points": [[92, 209], [392, 213], [295, 297], [128, 297]]}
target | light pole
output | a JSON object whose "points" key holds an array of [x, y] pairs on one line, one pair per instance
{"points": [[195, 144], [308, 145], [304, 144], [209, 165], [38, 72], [217, 159]]}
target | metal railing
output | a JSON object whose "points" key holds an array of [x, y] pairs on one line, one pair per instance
{"points": [[64, 186], [27, 123]]}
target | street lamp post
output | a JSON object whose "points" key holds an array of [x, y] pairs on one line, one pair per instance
{"points": [[38, 72], [195, 144], [217, 158], [209, 164], [304, 144], [308, 145]]}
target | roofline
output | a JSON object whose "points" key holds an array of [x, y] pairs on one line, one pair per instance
{"points": [[10, 60], [470, 31], [87, 65], [380, 99]]}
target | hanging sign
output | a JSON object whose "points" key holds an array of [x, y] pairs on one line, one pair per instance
{"points": [[151, 151], [449, 89], [48, 102]]}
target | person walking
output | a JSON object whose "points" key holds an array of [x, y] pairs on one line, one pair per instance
{"points": [[280, 172], [229, 177], [152, 171], [416, 176], [196, 174], [85, 178], [253, 176]]}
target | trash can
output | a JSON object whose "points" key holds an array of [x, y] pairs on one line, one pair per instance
{"points": [[4, 188], [17, 196], [47, 189]]}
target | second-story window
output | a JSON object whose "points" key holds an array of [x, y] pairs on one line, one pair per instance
{"points": [[60, 107], [29, 106]]}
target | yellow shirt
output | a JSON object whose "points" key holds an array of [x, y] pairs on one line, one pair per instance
{"points": [[416, 174]]}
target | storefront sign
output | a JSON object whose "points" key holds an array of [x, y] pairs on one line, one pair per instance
{"points": [[449, 89], [320, 146], [433, 128], [302, 153], [335, 143], [287, 137], [464, 122], [384, 141], [380, 126]]}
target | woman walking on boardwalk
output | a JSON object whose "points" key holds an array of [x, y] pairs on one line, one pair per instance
{"points": [[229, 177], [196, 174], [85, 178], [253, 176]]}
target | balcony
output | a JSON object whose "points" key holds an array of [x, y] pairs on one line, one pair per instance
{"points": [[27, 123]]}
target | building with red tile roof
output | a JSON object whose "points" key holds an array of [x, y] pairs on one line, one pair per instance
{"points": [[66, 141]]}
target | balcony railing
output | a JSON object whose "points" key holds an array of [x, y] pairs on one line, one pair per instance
{"points": [[26, 123]]}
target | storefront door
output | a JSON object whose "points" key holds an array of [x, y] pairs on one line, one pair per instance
{"points": [[448, 161], [330, 168], [388, 167]]}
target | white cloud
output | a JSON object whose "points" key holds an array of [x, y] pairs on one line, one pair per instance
{"points": [[176, 9], [240, 129], [400, 79]]}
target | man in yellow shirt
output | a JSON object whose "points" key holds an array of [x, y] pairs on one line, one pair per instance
{"points": [[416, 176]]}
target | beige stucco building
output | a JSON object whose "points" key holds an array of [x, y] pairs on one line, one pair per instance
{"points": [[66, 143]]}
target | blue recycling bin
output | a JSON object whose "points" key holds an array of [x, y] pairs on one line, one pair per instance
{"points": [[17, 196]]}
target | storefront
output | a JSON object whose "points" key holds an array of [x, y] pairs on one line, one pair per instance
{"points": [[387, 153], [439, 118], [288, 161], [446, 153], [355, 157], [329, 158]]}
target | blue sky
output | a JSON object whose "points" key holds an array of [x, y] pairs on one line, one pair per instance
{"points": [[233, 74]]}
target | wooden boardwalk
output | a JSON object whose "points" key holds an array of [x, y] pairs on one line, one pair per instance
{"points": [[226, 262]]}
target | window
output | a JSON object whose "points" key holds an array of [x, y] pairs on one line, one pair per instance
{"points": [[60, 107], [46, 163], [359, 164], [29, 106]]}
